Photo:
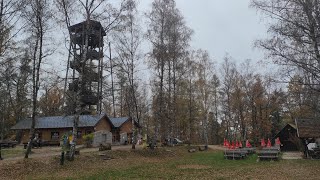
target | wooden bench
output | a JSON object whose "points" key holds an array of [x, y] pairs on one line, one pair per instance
{"points": [[8, 144], [268, 154], [235, 154], [250, 150]]}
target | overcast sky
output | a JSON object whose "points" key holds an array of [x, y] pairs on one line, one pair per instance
{"points": [[222, 26]]}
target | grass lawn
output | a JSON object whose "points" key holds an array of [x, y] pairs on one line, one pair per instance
{"points": [[12, 152], [170, 163]]}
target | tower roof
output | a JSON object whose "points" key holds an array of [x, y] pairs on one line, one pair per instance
{"points": [[94, 24]]}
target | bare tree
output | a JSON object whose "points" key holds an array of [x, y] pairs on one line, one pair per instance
{"points": [[169, 37], [205, 90], [37, 15], [228, 72], [294, 42], [128, 40], [10, 13]]}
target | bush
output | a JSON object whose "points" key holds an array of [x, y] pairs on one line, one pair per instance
{"points": [[88, 140]]}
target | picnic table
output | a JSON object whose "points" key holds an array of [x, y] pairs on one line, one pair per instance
{"points": [[8, 143], [269, 153], [235, 153]]}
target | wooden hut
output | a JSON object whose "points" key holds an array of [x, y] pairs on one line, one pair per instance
{"points": [[122, 129], [308, 128], [288, 137], [51, 129]]}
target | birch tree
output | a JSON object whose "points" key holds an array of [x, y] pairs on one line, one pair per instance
{"points": [[37, 15], [128, 40], [206, 90], [169, 38]]}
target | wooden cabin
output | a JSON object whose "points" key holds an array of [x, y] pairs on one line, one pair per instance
{"points": [[51, 129], [308, 130], [122, 125], [288, 138]]}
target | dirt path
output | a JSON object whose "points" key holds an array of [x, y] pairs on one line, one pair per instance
{"points": [[45, 152], [56, 151], [216, 147], [292, 155]]}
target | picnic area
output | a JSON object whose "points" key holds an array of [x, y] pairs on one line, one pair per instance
{"points": [[161, 163]]}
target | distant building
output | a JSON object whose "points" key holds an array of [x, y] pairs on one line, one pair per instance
{"points": [[51, 129]]}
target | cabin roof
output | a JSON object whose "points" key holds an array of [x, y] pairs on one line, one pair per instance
{"points": [[308, 128], [283, 128], [55, 122], [59, 122], [117, 122]]}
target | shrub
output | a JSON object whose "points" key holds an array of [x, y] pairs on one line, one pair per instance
{"points": [[88, 140]]}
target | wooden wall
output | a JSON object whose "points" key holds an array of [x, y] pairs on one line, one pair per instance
{"points": [[126, 127], [46, 134], [103, 124]]}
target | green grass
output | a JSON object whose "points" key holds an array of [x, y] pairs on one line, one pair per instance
{"points": [[11, 152], [211, 165], [172, 163]]}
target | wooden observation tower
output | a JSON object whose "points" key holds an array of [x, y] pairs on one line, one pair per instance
{"points": [[85, 66]]}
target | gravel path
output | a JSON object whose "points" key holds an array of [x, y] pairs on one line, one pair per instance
{"points": [[292, 155], [56, 151]]}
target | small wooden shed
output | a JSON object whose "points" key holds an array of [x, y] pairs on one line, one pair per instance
{"points": [[308, 128], [288, 137]]}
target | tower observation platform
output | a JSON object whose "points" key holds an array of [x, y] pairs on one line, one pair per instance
{"points": [[86, 66]]}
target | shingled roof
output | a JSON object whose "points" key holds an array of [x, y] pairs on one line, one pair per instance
{"points": [[59, 122], [117, 122], [308, 128]]}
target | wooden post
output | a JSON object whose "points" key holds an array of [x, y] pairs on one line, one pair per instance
{"points": [[0, 152], [62, 158]]}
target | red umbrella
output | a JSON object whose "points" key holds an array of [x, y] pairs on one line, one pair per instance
{"points": [[227, 144], [240, 144], [278, 141], [263, 143], [269, 143], [224, 142], [248, 145], [237, 144], [232, 145]]}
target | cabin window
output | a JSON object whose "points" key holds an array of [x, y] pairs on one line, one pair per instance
{"points": [[54, 135]]}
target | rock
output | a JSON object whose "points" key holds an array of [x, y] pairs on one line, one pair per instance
{"points": [[192, 150], [104, 147], [203, 148]]}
